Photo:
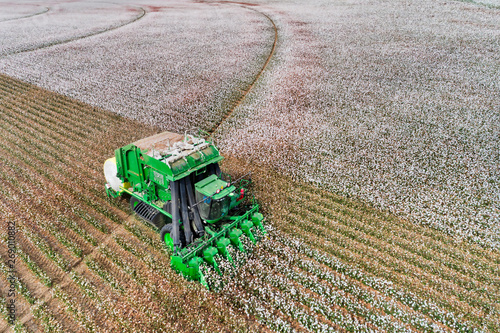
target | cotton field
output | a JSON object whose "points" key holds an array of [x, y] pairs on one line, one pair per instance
{"points": [[371, 130], [43, 26], [395, 103]]}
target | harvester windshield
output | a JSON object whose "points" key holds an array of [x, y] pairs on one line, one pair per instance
{"points": [[211, 209], [214, 198]]}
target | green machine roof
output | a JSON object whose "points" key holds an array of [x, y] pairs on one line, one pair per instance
{"points": [[211, 184]]}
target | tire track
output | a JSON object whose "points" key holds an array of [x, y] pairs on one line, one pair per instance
{"points": [[269, 57], [46, 10], [72, 39]]}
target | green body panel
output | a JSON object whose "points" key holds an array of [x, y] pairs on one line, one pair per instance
{"points": [[164, 195], [127, 162], [135, 166]]}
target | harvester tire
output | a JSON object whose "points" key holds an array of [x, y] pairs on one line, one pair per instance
{"points": [[133, 202], [165, 230]]}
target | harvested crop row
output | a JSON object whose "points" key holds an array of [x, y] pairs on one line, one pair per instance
{"points": [[32, 144], [46, 312], [25, 301], [55, 220], [67, 189], [58, 155]]}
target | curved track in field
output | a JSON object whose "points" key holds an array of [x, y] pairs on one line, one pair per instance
{"points": [[45, 11], [142, 13], [266, 63]]}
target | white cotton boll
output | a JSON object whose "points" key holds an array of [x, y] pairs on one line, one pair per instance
{"points": [[150, 70]]}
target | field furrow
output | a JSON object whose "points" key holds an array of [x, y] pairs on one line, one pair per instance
{"points": [[69, 208], [345, 286], [42, 309], [38, 295], [60, 154], [379, 267], [23, 300], [333, 315], [350, 299], [69, 298], [64, 178], [69, 114]]}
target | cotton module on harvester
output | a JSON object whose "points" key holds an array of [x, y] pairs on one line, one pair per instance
{"points": [[175, 183]]}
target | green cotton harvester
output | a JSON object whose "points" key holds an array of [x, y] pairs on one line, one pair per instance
{"points": [[175, 183]]}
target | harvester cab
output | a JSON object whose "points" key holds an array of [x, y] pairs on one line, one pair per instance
{"points": [[175, 183], [215, 198]]}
